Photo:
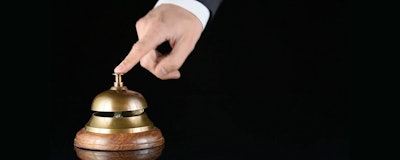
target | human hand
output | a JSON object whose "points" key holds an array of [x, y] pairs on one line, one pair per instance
{"points": [[164, 23]]}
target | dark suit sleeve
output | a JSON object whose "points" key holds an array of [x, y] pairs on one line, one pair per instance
{"points": [[212, 5]]}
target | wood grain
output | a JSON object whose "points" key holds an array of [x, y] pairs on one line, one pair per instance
{"points": [[120, 141], [143, 154]]}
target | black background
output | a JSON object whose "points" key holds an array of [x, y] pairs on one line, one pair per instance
{"points": [[265, 80]]}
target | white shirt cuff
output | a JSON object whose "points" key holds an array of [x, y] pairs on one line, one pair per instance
{"points": [[193, 6]]}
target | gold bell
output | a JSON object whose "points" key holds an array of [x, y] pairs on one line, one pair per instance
{"points": [[119, 122]]}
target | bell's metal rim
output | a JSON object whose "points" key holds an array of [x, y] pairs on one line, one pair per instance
{"points": [[113, 131], [111, 125]]}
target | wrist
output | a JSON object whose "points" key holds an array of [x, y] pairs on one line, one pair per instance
{"points": [[193, 6]]}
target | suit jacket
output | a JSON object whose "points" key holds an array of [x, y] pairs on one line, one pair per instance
{"points": [[212, 5]]}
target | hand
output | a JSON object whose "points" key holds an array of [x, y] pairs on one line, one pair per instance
{"points": [[164, 23]]}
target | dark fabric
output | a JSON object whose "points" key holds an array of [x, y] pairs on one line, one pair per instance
{"points": [[212, 5]]}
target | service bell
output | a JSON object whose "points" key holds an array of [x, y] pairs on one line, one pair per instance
{"points": [[119, 122]]}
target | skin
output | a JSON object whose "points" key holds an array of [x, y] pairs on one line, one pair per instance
{"points": [[165, 23]]}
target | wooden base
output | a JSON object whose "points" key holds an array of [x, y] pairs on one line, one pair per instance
{"points": [[144, 154], [118, 141]]}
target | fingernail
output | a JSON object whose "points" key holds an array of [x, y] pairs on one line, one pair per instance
{"points": [[119, 67]]}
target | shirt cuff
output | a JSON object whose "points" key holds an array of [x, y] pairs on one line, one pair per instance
{"points": [[193, 6]]}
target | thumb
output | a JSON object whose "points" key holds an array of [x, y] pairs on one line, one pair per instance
{"points": [[168, 66], [163, 74]]}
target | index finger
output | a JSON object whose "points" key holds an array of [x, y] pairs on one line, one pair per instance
{"points": [[143, 46]]}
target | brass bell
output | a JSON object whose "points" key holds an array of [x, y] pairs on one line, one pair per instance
{"points": [[119, 122]]}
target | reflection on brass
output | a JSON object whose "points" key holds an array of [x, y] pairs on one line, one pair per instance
{"points": [[143, 154], [118, 98], [118, 122], [107, 123], [119, 110], [118, 80]]}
